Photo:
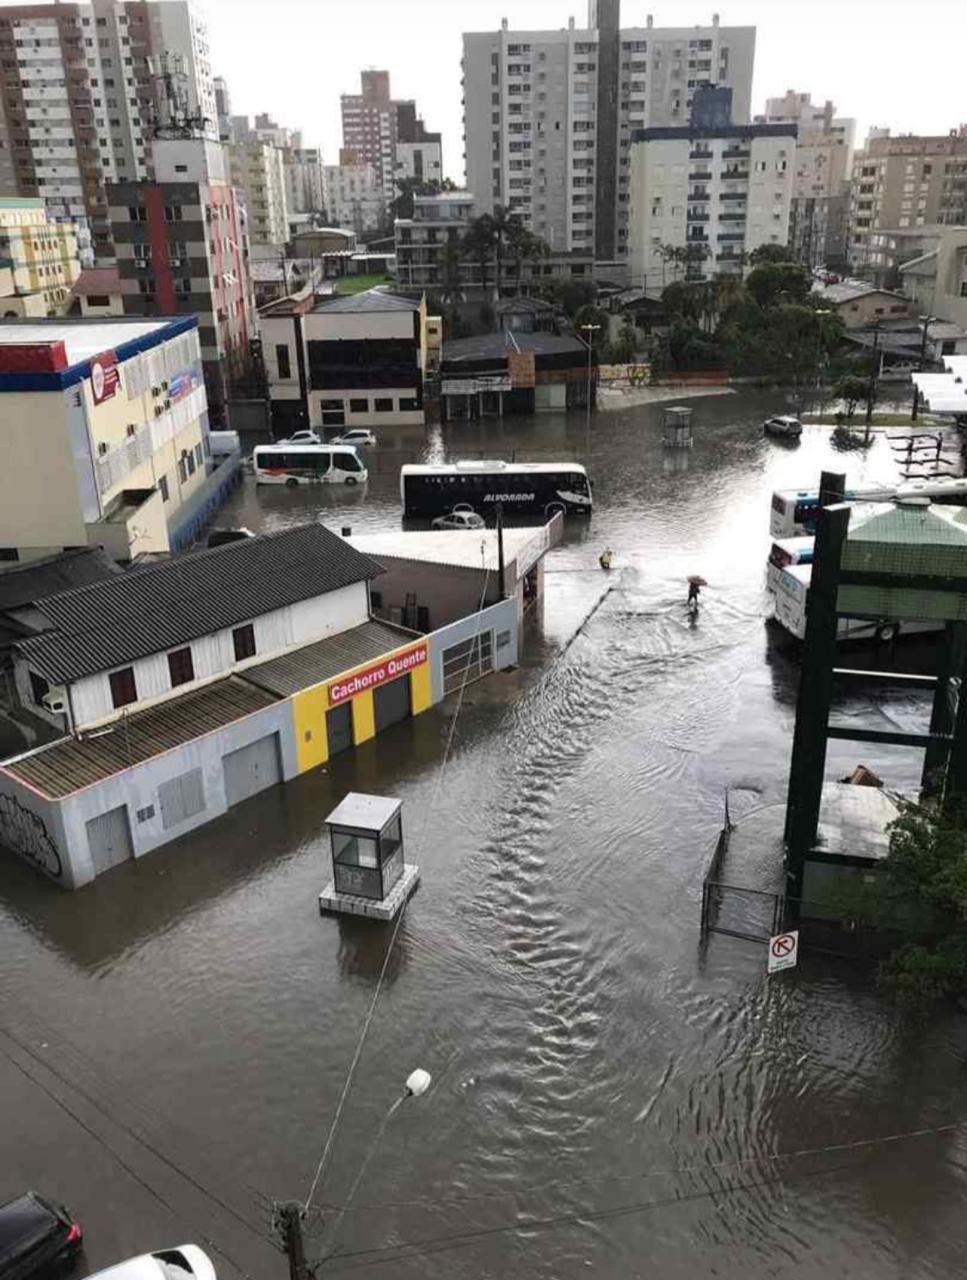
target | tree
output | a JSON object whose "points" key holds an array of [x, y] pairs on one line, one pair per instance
{"points": [[402, 206], [624, 347], [524, 246], [772, 282], [478, 242], [851, 389], [592, 315], [766, 253], [570, 295]]}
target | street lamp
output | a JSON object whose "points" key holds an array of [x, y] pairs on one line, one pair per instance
{"points": [[417, 1083], [927, 321], [588, 329]]}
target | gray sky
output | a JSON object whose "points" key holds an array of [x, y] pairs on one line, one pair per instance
{"points": [[886, 62]]}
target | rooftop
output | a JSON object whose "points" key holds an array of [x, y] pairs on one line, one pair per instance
{"points": [[167, 603], [85, 337], [459, 548], [35, 579], [96, 280], [497, 345], [356, 809], [371, 300], [850, 290], [74, 763], [315, 663]]}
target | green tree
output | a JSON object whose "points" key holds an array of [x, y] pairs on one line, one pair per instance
{"points": [[625, 346], [570, 295], [478, 242], [772, 282], [402, 206], [592, 315], [766, 253], [851, 389]]}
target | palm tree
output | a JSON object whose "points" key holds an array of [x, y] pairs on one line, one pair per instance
{"points": [[478, 242], [525, 247]]}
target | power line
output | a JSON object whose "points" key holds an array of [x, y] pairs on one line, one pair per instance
{"points": [[539, 1188], [350, 1074], [131, 1133]]}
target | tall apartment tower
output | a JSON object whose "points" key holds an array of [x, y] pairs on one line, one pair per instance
{"points": [[83, 87], [907, 181], [549, 115], [388, 135], [819, 213]]}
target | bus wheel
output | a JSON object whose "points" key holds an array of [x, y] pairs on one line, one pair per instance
{"points": [[292, 483], [553, 509], [886, 632], [350, 479]]}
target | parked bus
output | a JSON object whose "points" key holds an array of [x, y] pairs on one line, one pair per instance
{"points": [[295, 464], [786, 552], [792, 591], [795, 512], [531, 488]]}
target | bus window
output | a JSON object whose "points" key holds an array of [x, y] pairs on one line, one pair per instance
{"points": [[347, 462]]}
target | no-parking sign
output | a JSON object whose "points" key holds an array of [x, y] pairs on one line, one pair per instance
{"points": [[783, 951]]}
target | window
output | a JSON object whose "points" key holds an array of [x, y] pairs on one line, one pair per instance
{"points": [[383, 404], [282, 360], [39, 687], [180, 666], [123, 688], [409, 404], [243, 639], [9, 553], [359, 406], [163, 488], [375, 602]]}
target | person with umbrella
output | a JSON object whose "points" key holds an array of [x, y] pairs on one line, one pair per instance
{"points": [[695, 584]]}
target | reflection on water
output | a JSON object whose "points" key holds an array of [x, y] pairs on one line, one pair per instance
{"points": [[548, 971]]}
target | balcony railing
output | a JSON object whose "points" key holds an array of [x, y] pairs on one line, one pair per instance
{"points": [[700, 175]]}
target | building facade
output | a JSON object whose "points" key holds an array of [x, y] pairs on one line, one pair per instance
{"points": [[906, 182], [354, 197], [388, 135], [182, 248], [936, 281], [40, 255], [80, 98], [303, 180], [105, 434], [722, 191], [819, 215], [354, 361], [258, 171], [549, 115]]}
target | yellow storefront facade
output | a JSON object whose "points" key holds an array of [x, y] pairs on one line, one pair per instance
{"points": [[358, 689]]}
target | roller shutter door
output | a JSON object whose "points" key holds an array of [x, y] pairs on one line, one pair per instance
{"points": [[392, 703], [109, 839], [252, 769]]}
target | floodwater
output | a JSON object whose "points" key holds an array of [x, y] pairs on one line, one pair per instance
{"points": [[609, 1097]]}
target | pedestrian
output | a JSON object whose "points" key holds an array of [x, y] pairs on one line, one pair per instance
{"points": [[604, 559]]}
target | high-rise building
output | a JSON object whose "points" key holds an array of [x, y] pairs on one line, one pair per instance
{"points": [[820, 196], [388, 135], [303, 180], [39, 259], [716, 188], [353, 197], [907, 181], [83, 86], [258, 171], [549, 115], [182, 249]]}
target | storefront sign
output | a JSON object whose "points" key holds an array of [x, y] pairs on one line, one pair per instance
{"points": [[380, 673], [105, 376]]}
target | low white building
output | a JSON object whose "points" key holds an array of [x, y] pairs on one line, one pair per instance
{"points": [[722, 189], [353, 197], [345, 361]]}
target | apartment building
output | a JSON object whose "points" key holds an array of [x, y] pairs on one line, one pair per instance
{"points": [[819, 216], [258, 171], [419, 153], [906, 181], [303, 180], [388, 135], [722, 188], [549, 115], [182, 249], [428, 254], [38, 257], [937, 278], [80, 98], [353, 197], [105, 434]]}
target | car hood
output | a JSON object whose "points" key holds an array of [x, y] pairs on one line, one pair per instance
{"points": [[147, 1267]]}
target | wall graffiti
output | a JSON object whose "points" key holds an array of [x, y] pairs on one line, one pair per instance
{"points": [[25, 833]]}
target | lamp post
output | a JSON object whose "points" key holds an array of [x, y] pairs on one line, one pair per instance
{"points": [[874, 370], [588, 329], [417, 1083], [927, 320]]}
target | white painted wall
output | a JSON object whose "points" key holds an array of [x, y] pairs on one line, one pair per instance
{"points": [[213, 655]]}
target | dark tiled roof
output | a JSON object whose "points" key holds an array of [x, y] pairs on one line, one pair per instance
{"points": [[302, 668], [163, 605], [498, 345], [36, 579], [370, 300], [67, 766]]}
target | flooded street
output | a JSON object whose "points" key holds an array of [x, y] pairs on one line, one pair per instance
{"points": [[609, 1098]]}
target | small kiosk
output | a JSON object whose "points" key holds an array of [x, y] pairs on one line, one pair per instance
{"points": [[369, 874], [677, 427]]}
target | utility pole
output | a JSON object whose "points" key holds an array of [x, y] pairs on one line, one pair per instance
{"points": [[923, 357], [874, 369], [589, 329], [500, 549], [288, 1223]]}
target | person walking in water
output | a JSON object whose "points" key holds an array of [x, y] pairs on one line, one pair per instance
{"points": [[693, 593], [604, 559]]}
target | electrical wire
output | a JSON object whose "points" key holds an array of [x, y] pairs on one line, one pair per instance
{"points": [[364, 1032]]}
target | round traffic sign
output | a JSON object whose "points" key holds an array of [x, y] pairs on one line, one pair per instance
{"points": [[783, 944]]}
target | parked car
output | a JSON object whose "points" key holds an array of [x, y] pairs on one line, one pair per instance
{"points": [[186, 1262], [306, 436], [783, 427], [35, 1233], [460, 520], [220, 537], [357, 436]]}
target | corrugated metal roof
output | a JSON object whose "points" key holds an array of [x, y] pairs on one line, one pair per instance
{"points": [[369, 300], [35, 579], [75, 763], [317, 662], [460, 548], [166, 604]]}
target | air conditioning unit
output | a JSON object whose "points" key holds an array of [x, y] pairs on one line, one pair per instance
{"points": [[102, 447], [159, 410], [132, 429], [55, 701], [156, 391], [164, 383]]}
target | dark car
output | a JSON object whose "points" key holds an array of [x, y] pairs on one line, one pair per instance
{"points": [[36, 1234]]}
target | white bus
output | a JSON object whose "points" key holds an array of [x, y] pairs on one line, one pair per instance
{"points": [[531, 488], [792, 591], [794, 512], [295, 464], [786, 552]]}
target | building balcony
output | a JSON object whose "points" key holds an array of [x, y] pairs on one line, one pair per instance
{"points": [[726, 236], [732, 217], [700, 175], [700, 154], [696, 215], [698, 195], [735, 153], [734, 195]]}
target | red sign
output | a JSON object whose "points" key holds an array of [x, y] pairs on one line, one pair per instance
{"points": [[380, 673], [105, 377]]}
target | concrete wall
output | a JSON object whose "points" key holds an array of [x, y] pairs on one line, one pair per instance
{"points": [[449, 592], [500, 618], [33, 827]]}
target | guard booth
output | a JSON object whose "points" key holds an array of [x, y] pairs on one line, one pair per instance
{"points": [[370, 876], [677, 427]]}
